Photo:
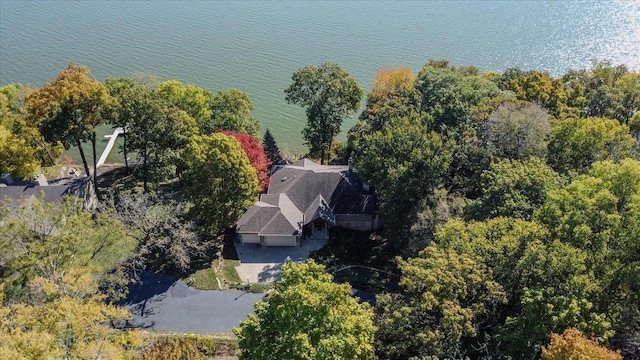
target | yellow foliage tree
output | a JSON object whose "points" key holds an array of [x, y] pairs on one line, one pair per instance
{"points": [[16, 157], [63, 322], [572, 345]]}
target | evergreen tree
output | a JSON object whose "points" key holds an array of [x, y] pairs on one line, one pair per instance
{"points": [[271, 148]]}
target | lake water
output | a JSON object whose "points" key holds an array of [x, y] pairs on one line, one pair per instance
{"points": [[256, 46]]}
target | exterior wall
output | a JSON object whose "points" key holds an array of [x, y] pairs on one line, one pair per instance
{"points": [[358, 222], [279, 240], [319, 230], [249, 239]]}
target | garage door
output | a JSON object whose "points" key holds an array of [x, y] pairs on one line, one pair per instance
{"points": [[249, 239], [280, 240]]}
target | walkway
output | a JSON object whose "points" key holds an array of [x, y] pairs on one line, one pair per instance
{"points": [[110, 144]]}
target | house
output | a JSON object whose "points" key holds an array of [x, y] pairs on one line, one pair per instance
{"points": [[304, 200], [14, 191]]}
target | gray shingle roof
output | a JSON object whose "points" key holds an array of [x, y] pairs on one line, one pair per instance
{"points": [[279, 225], [16, 193], [254, 219], [295, 188]]}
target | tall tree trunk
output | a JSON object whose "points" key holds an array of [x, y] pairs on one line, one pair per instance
{"points": [[47, 149], [84, 158], [124, 149], [95, 165], [322, 156], [145, 174]]}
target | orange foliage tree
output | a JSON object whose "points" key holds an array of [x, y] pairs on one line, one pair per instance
{"points": [[572, 345]]}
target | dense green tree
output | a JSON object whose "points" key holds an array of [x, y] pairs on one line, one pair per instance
{"points": [[499, 243], [52, 255], [611, 91], [534, 86], [404, 163], [231, 111], [157, 131], [471, 155], [69, 109], [583, 213], [624, 289], [219, 179], [449, 96], [435, 210], [12, 110], [328, 94], [513, 188], [228, 110], [545, 311], [469, 159], [559, 289], [121, 90], [192, 99], [271, 148], [449, 297], [575, 144], [634, 125], [561, 99], [308, 316], [622, 179]]}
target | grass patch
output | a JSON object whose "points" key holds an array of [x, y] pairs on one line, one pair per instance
{"points": [[229, 273], [204, 279], [220, 269]]}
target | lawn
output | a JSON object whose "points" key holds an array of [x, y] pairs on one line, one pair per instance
{"points": [[220, 272]]}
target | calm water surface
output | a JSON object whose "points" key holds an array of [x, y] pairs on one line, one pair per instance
{"points": [[256, 46]]}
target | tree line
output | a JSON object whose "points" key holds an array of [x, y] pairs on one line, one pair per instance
{"points": [[510, 202], [63, 269]]}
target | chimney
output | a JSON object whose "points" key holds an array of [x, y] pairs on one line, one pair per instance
{"points": [[350, 162], [41, 180], [6, 179]]}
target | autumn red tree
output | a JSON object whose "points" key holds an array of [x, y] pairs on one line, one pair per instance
{"points": [[256, 154]]}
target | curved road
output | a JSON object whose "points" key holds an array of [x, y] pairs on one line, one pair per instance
{"points": [[162, 302]]}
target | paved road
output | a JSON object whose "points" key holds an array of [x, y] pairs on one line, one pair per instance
{"points": [[162, 302]]}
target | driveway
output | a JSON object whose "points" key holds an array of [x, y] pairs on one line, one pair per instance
{"points": [[263, 264], [162, 302]]}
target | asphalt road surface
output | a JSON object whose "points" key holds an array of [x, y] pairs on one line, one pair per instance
{"points": [[161, 302]]}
